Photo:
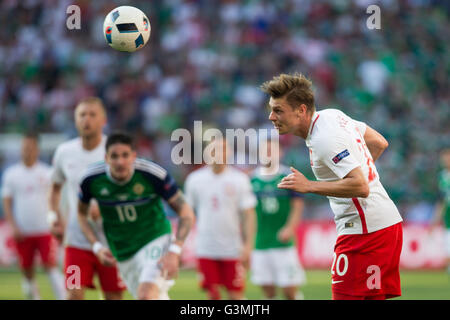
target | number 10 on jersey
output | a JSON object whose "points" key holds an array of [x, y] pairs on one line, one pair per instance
{"points": [[126, 213]]}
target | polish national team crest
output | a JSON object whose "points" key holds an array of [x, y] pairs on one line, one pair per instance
{"points": [[138, 189]]}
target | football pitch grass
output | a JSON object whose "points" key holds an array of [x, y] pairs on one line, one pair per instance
{"points": [[416, 285]]}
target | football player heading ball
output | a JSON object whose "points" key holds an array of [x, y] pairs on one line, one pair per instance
{"points": [[343, 152]]}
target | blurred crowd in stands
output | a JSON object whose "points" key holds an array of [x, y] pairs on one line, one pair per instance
{"points": [[206, 59]]}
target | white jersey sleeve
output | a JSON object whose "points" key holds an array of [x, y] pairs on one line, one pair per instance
{"points": [[7, 185], [189, 192], [247, 197], [361, 126], [336, 147], [335, 152], [57, 175]]}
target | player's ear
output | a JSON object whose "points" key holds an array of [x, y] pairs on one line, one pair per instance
{"points": [[298, 111], [303, 108]]}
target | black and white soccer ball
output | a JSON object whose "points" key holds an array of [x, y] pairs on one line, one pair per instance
{"points": [[126, 28]]}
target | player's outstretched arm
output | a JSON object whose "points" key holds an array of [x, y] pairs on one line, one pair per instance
{"points": [[353, 185], [170, 262], [375, 142], [104, 255]]}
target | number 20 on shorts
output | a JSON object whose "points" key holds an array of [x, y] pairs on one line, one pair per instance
{"points": [[340, 264]]}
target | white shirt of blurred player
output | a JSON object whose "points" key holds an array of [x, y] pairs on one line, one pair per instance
{"points": [[219, 200], [69, 164], [332, 133], [28, 187]]}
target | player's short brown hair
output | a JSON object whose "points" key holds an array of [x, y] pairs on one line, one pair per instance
{"points": [[296, 88], [92, 100]]}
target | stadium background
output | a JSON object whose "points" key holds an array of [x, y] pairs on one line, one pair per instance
{"points": [[205, 60]]}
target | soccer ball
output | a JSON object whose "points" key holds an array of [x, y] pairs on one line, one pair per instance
{"points": [[126, 28]]}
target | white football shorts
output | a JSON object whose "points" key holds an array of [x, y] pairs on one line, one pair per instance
{"points": [[279, 266], [143, 267]]}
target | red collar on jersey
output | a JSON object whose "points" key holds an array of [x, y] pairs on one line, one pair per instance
{"points": [[314, 122]]}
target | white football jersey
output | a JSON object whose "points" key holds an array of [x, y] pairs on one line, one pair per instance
{"points": [[218, 201], [69, 164], [28, 187], [336, 147]]}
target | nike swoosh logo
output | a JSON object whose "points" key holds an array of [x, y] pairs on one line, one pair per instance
{"points": [[333, 282]]}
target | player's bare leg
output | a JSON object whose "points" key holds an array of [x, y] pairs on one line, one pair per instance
{"points": [[113, 295], [290, 293], [269, 291], [29, 286], [213, 292], [78, 294], [235, 295], [148, 291], [75, 294], [28, 273], [56, 281]]}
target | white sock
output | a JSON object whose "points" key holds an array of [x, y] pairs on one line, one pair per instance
{"points": [[299, 296], [164, 295], [164, 286], [30, 289], [57, 283]]}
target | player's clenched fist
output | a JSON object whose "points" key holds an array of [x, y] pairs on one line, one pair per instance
{"points": [[295, 181]]}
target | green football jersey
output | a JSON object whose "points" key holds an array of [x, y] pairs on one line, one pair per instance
{"points": [[444, 187], [132, 212], [272, 210]]}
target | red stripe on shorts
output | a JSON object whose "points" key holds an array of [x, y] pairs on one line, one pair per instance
{"points": [[361, 214]]}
